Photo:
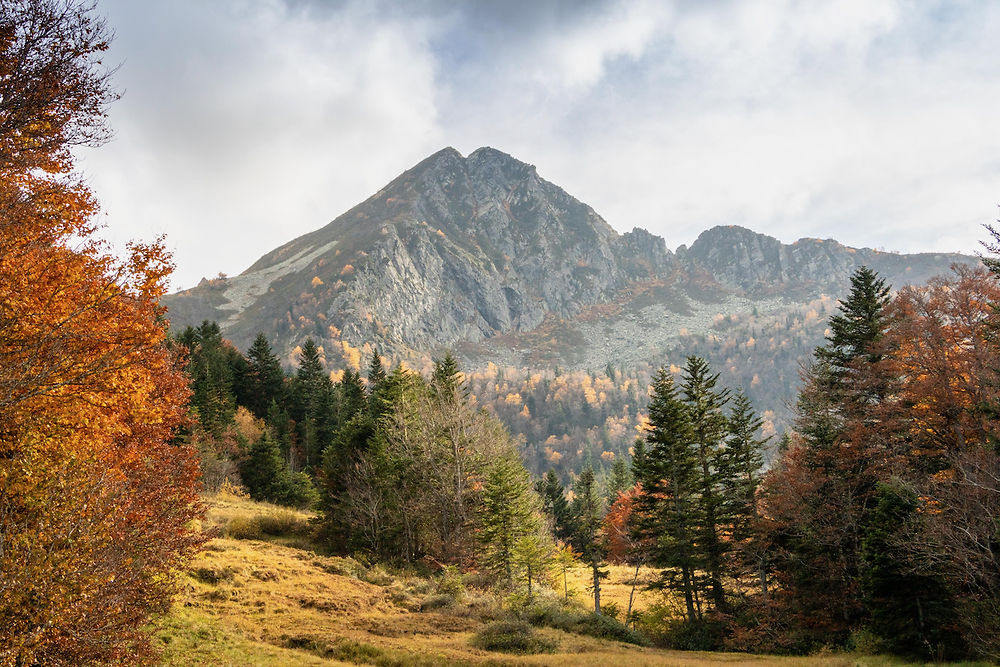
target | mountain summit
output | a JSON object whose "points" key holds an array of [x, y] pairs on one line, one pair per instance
{"points": [[482, 255]]}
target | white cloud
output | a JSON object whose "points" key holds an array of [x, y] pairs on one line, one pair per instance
{"points": [[246, 124]]}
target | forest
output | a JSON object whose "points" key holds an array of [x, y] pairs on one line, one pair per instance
{"points": [[874, 526]]}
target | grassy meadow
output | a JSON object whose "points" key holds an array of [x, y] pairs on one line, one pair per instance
{"points": [[260, 594]]}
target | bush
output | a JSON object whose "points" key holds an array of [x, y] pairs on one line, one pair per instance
{"points": [[244, 528], [437, 601], [451, 583], [708, 634], [575, 620], [281, 523], [512, 637]]}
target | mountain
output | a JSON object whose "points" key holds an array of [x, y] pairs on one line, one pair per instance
{"points": [[477, 253], [481, 255]]}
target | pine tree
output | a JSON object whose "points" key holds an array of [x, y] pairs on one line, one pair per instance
{"points": [[314, 407], [376, 372], [667, 509], [912, 613], [446, 379], [740, 474], [709, 428], [619, 481], [508, 515], [264, 378], [588, 519], [555, 505]]}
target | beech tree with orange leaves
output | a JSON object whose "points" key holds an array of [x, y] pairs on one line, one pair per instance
{"points": [[95, 501]]}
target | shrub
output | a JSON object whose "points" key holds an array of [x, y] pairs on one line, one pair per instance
{"points": [[437, 601], [578, 621], [244, 528], [451, 583], [512, 637], [281, 523]]}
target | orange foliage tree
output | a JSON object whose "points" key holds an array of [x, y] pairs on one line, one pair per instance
{"points": [[95, 501]]}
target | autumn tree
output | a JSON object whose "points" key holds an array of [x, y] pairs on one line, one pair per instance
{"points": [[95, 501]]}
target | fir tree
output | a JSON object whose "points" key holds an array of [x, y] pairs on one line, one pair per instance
{"points": [[587, 539], [667, 509], [314, 406], [264, 378], [508, 515], [555, 505], [708, 428], [740, 466], [619, 481]]}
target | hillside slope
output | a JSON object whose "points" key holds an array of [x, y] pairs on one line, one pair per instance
{"points": [[268, 599]]}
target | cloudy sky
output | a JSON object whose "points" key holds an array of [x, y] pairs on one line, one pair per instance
{"points": [[245, 123]]}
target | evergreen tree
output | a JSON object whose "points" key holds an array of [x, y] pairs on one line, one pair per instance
{"points": [[352, 396], [533, 555], [709, 428], [376, 373], [266, 476], [555, 505], [314, 408], [740, 466], [912, 613], [667, 511], [446, 379], [588, 519], [507, 516], [619, 481], [210, 365], [264, 378]]}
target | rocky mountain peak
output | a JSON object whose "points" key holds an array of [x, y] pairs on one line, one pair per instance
{"points": [[460, 251]]}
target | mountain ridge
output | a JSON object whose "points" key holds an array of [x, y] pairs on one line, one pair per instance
{"points": [[465, 252]]}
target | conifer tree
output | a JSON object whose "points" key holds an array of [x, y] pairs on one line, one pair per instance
{"points": [[619, 481], [508, 515], [667, 508], [555, 505], [709, 428], [314, 403], [264, 378], [740, 466], [587, 539]]}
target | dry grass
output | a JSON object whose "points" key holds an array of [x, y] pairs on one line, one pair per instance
{"points": [[269, 602]]}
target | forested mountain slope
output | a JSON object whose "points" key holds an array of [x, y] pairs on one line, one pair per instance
{"points": [[481, 255]]}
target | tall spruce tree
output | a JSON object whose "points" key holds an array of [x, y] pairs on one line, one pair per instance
{"points": [[555, 505], [314, 408], [740, 465], [508, 514], [709, 428], [264, 378], [588, 540], [620, 480], [667, 509]]}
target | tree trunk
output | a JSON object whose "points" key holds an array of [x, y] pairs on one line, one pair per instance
{"points": [[594, 564], [631, 593]]}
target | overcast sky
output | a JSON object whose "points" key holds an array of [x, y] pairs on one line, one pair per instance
{"points": [[246, 123]]}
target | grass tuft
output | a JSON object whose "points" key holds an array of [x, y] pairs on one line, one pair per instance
{"points": [[512, 636]]}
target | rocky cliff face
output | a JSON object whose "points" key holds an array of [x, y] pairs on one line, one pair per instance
{"points": [[481, 254]]}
